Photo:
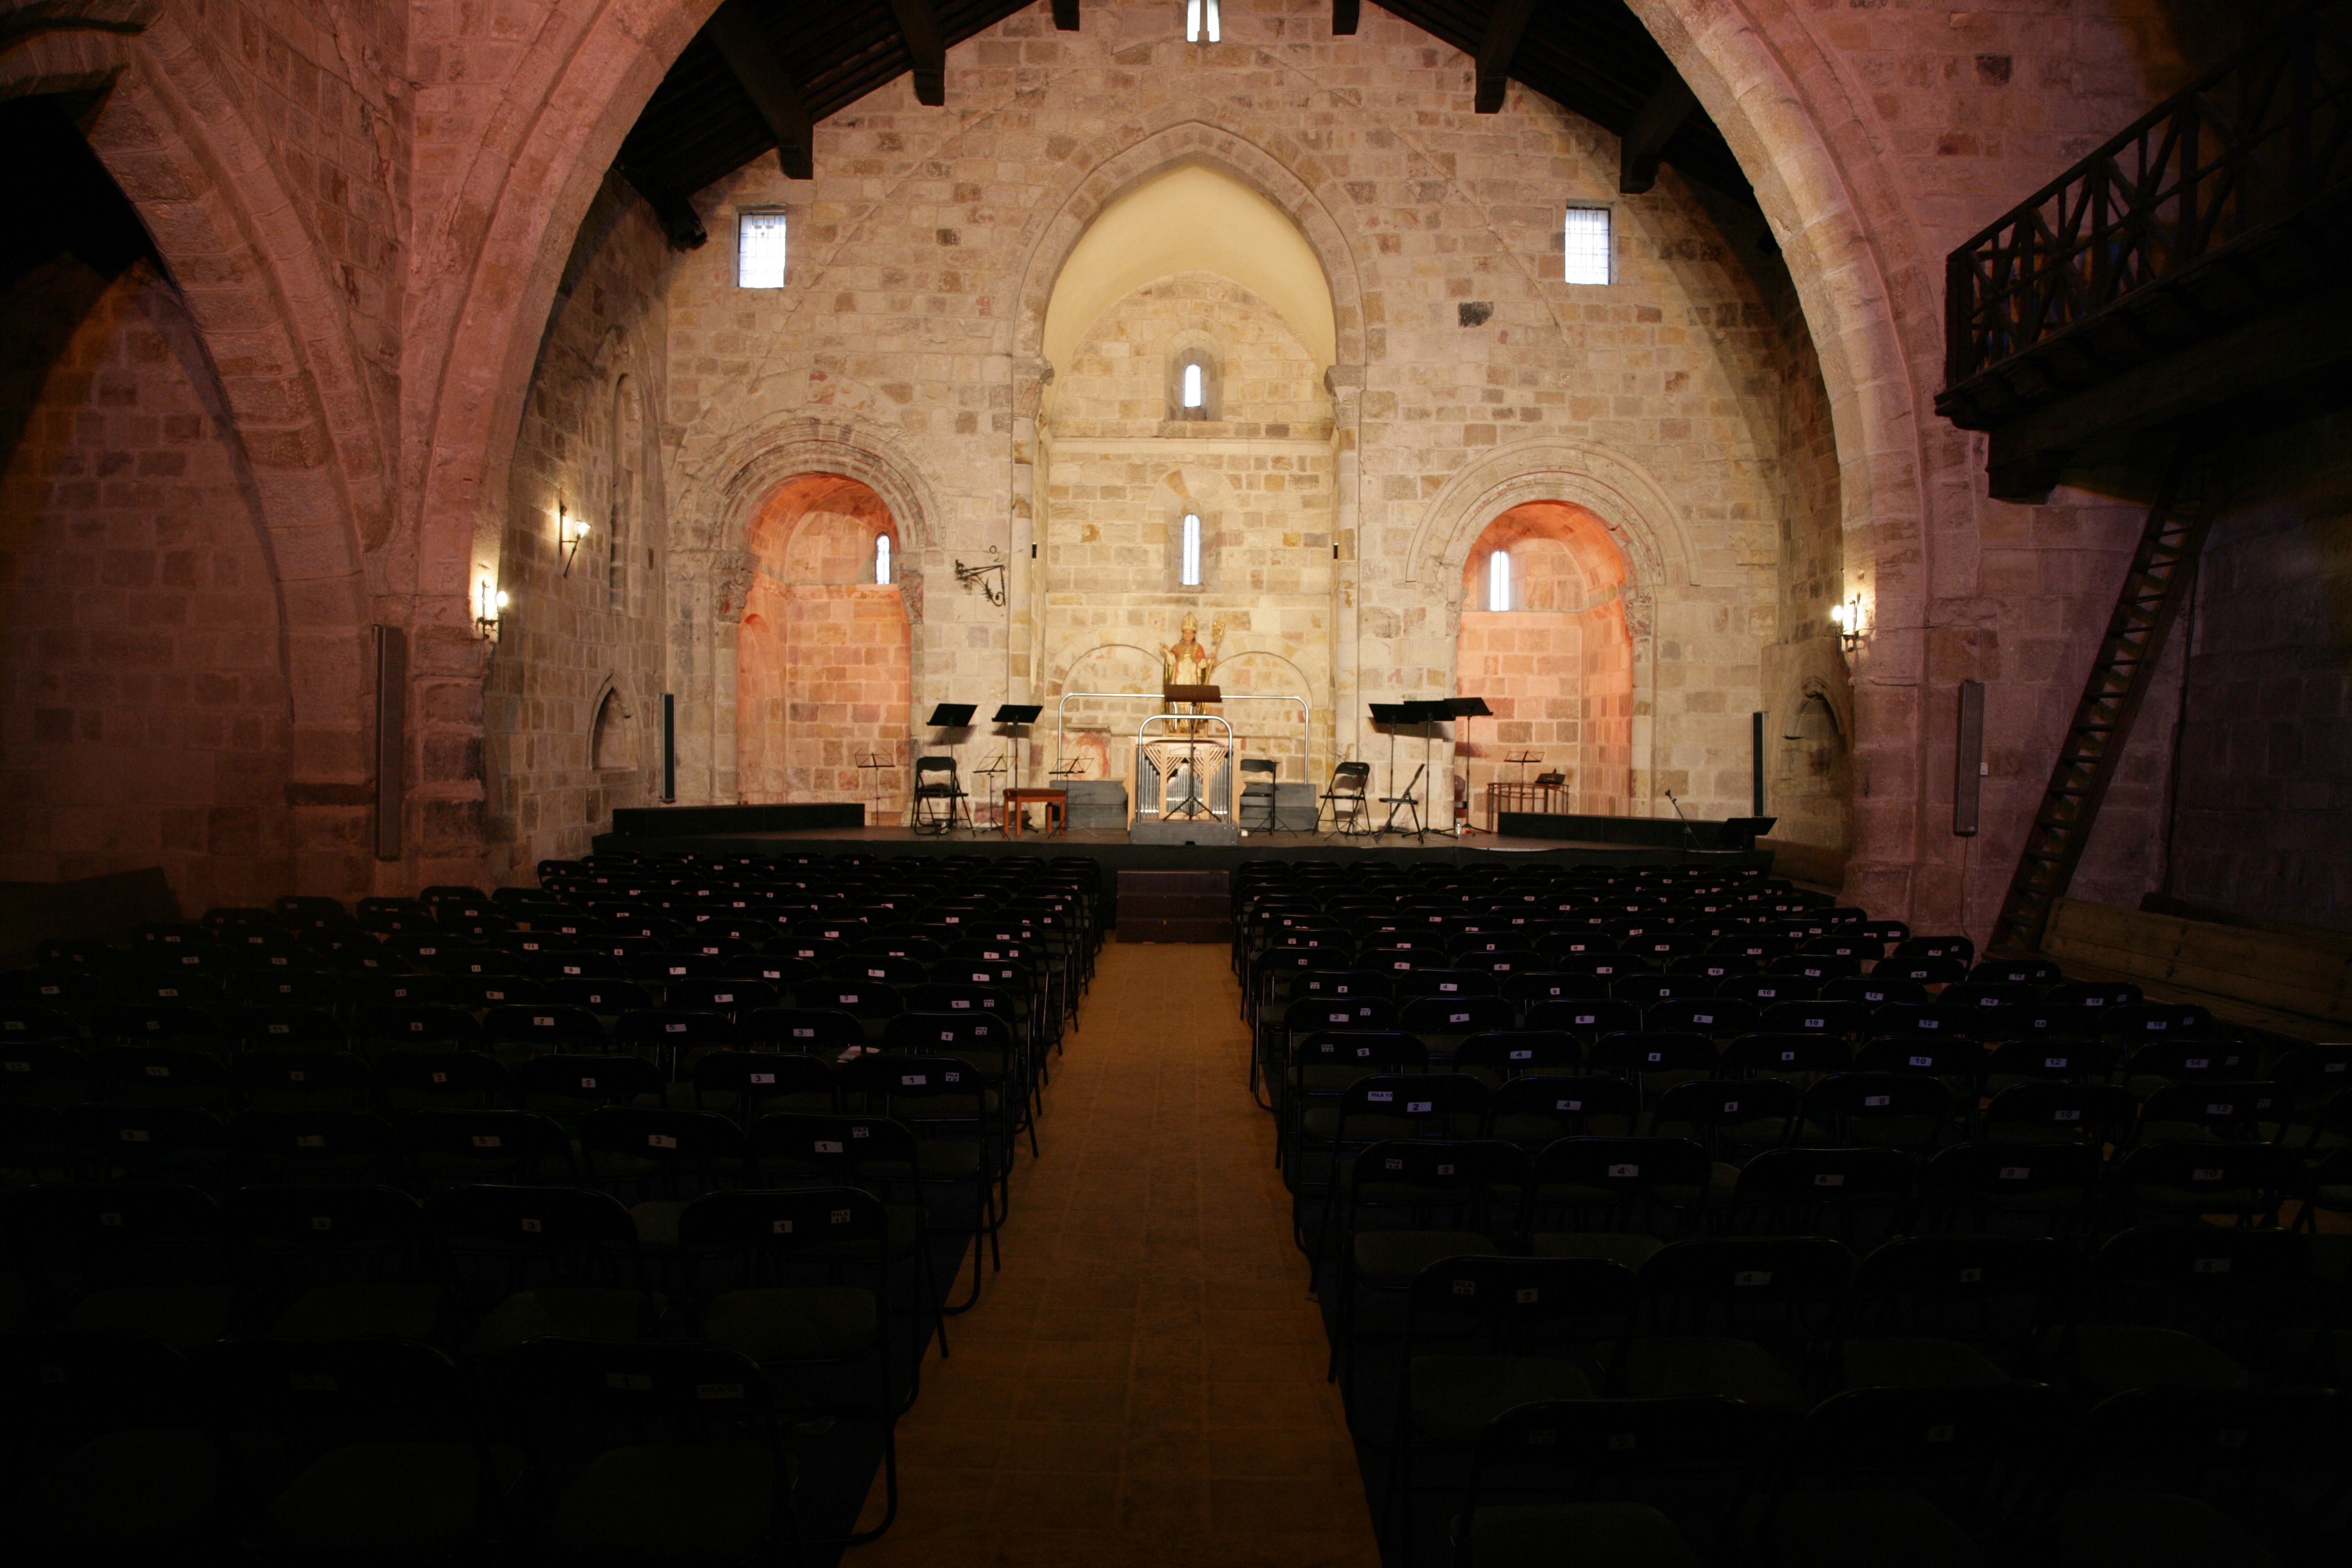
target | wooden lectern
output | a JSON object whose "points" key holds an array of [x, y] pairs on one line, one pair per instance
{"points": [[1196, 694]]}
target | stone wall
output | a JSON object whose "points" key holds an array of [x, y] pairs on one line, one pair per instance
{"points": [[142, 687], [1468, 378], [590, 445], [1118, 476]]}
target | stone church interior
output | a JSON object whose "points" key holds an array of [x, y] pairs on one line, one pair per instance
{"points": [[652, 647]]}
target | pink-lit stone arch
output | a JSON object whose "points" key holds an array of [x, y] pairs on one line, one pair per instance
{"points": [[1558, 672]]}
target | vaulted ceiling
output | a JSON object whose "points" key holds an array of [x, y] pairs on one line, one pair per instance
{"points": [[762, 73]]}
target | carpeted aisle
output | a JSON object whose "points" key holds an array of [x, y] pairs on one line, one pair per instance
{"points": [[1143, 1383]]}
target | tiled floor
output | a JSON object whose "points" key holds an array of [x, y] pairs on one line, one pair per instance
{"points": [[1143, 1383]]}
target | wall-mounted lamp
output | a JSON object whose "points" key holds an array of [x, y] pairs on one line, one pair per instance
{"points": [[570, 532], [490, 608], [990, 577], [1847, 618]]}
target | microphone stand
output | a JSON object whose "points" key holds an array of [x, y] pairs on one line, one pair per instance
{"points": [[1687, 831]]}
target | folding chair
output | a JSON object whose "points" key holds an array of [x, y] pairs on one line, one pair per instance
{"points": [[654, 1452], [2251, 1477], [1607, 1472], [108, 1458], [938, 795], [1950, 1311], [1344, 798], [526, 1262], [383, 1450], [466, 1147], [336, 1261], [1735, 1317], [1919, 1475], [1484, 1335], [1449, 1191], [767, 1267], [2197, 1305]]}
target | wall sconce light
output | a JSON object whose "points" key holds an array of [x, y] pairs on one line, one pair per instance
{"points": [[490, 608], [1847, 618], [569, 531], [990, 578]]}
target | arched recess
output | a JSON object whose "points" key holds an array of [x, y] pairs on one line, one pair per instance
{"points": [[712, 564], [1557, 667], [1640, 518], [1097, 733], [823, 668], [613, 732], [275, 338], [1818, 167]]}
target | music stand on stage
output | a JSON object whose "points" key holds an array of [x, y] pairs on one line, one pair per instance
{"points": [[1392, 715], [1015, 716], [950, 717], [1465, 708]]}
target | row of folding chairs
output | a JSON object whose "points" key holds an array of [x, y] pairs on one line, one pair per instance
{"points": [[326, 1446], [2006, 1475]]}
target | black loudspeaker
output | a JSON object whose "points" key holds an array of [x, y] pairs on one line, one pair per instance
{"points": [[669, 746], [391, 738], [1968, 760], [1755, 764]]}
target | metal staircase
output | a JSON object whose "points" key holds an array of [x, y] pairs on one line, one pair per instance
{"points": [[2162, 571]]}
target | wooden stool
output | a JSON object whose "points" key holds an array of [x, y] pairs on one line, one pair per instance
{"points": [[1057, 803]]}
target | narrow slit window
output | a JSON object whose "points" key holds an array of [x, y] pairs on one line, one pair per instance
{"points": [[882, 558], [759, 250], [1199, 21], [1588, 245], [1190, 572], [1499, 580], [1192, 392]]}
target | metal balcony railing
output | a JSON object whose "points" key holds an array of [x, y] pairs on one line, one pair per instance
{"points": [[2160, 234]]}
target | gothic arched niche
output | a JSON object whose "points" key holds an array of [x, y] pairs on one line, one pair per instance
{"points": [[823, 665], [1556, 663]]}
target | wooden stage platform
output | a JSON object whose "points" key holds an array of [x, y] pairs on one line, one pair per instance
{"points": [[784, 830]]}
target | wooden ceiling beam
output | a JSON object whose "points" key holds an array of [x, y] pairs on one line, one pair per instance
{"points": [[918, 25], [1066, 16], [1346, 15], [1662, 114], [745, 48], [1507, 23]]}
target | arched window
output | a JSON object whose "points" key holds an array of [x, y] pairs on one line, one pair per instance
{"points": [[1201, 21], [1499, 580], [1189, 573], [1193, 377], [882, 558]]}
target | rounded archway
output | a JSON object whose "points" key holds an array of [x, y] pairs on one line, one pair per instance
{"points": [[1545, 641], [824, 667]]}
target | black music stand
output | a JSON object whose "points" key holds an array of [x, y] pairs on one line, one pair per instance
{"points": [[950, 717], [1015, 716], [1465, 708]]}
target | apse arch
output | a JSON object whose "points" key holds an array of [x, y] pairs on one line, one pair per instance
{"points": [[1641, 519], [1189, 218], [1219, 152]]}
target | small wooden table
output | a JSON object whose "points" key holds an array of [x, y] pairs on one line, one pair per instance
{"points": [[1057, 803]]}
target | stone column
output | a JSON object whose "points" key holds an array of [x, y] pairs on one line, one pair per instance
{"points": [[1346, 384]]}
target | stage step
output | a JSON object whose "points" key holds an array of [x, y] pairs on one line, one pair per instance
{"points": [[1175, 906]]}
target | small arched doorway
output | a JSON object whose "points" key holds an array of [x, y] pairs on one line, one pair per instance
{"points": [[1544, 641], [823, 673]]}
